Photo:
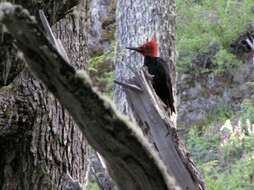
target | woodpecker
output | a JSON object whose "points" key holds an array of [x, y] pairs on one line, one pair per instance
{"points": [[157, 67]]}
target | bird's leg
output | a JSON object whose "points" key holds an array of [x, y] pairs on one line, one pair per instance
{"points": [[164, 106], [147, 74]]}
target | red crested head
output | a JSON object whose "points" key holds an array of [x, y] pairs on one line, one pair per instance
{"points": [[149, 48]]}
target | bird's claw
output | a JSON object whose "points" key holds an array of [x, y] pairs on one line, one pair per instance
{"points": [[148, 75]]}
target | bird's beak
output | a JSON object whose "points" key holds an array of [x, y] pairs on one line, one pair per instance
{"points": [[133, 48]]}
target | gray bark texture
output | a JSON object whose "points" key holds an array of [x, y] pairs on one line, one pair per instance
{"points": [[133, 164], [136, 22], [11, 64], [41, 147], [54, 9], [99, 173]]}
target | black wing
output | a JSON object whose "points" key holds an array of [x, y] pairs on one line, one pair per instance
{"points": [[166, 93]]}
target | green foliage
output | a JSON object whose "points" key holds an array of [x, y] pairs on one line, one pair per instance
{"points": [[248, 111], [93, 186], [232, 148], [219, 114], [224, 152], [106, 80], [93, 62], [237, 177], [225, 61], [225, 165], [100, 68], [203, 141], [202, 144], [210, 22]]}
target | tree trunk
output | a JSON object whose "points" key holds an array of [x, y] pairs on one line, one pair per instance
{"points": [[12, 65], [41, 148], [138, 21]]}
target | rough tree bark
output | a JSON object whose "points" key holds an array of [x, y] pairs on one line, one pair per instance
{"points": [[136, 22], [131, 161], [12, 65], [41, 148]]}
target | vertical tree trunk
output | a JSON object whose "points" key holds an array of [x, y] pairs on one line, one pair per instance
{"points": [[138, 21], [41, 148]]}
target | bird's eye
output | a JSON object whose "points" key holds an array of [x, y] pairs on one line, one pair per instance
{"points": [[147, 49]]}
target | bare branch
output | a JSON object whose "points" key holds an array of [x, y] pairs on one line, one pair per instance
{"points": [[54, 41], [128, 85]]}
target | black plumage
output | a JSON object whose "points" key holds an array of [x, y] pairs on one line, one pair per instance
{"points": [[161, 79]]}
